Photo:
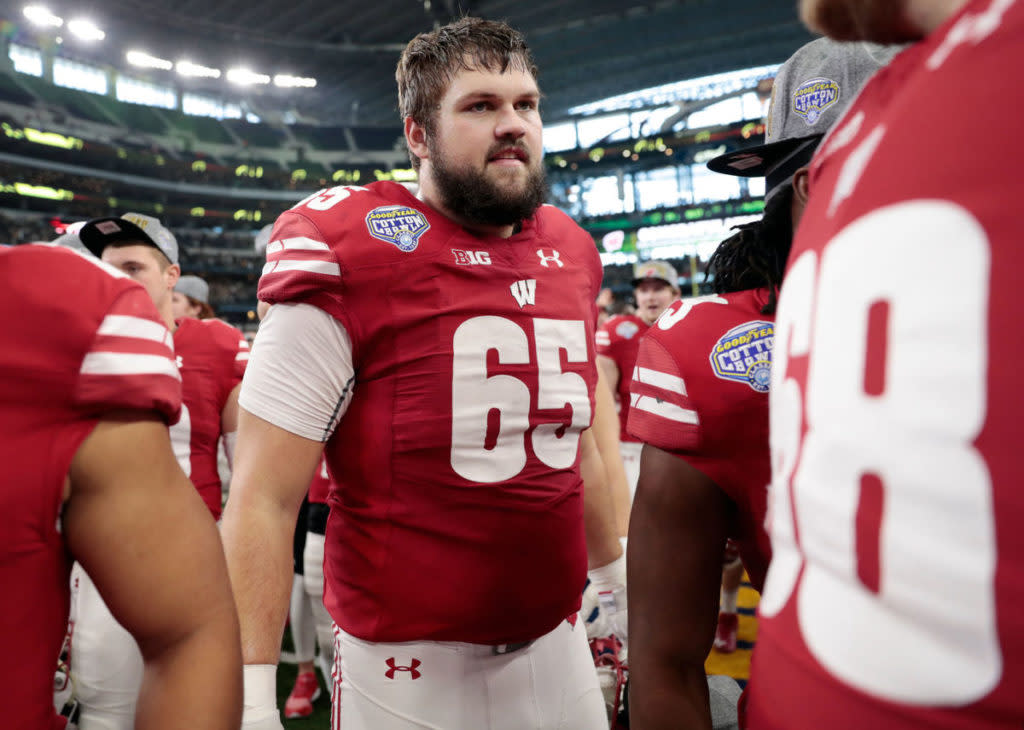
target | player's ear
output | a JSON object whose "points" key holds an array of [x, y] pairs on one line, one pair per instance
{"points": [[416, 138], [172, 274], [801, 190]]}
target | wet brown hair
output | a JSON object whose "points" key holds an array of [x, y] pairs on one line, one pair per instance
{"points": [[431, 60]]}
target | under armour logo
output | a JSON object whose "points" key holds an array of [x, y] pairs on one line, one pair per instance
{"points": [[392, 668], [554, 258]]}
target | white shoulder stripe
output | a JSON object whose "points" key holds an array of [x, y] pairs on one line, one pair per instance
{"points": [[664, 410], [659, 379], [242, 356], [296, 244], [314, 267], [121, 325], [121, 363]]}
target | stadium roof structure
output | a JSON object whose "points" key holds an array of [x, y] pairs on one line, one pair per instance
{"points": [[586, 49]]}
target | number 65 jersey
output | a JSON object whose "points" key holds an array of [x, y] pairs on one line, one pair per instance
{"points": [[457, 510], [895, 597]]}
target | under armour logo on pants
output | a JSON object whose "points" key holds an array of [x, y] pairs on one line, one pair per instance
{"points": [[392, 668]]}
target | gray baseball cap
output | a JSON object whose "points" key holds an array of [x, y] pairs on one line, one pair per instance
{"points": [[263, 238], [194, 287], [812, 90], [98, 233]]}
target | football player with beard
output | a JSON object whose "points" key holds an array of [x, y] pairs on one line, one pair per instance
{"points": [[893, 596], [439, 350]]}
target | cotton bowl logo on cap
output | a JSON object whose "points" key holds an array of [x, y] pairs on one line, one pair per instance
{"points": [[397, 224], [812, 98], [744, 355]]}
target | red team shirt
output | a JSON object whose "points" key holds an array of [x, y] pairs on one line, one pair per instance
{"points": [[895, 594], [458, 510], [65, 361], [619, 339], [212, 356], [700, 391], [320, 487]]}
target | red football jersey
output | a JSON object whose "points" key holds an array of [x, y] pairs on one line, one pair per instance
{"points": [[320, 487], [619, 339], [211, 356], [457, 510], [65, 361], [895, 591], [700, 391]]}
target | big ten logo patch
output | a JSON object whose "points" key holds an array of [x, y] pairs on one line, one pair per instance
{"points": [[411, 668], [471, 258], [744, 354]]}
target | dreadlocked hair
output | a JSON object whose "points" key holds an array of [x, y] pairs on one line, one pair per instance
{"points": [[755, 256]]}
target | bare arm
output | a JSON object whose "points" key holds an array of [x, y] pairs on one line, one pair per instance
{"points": [[606, 431], [144, 536], [272, 471], [603, 544], [229, 416], [676, 536]]}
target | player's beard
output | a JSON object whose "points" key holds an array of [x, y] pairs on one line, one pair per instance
{"points": [[470, 195], [881, 21]]}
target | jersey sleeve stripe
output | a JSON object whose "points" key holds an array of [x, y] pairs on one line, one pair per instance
{"points": [[313, 267], [296, 244], [664, 410], [658, 379], [120, 325], [242, 355], [120, 363]]}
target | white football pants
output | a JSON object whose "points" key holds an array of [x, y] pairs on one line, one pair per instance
{"points": [[313, 579], [550, 685], [630, 451], [106, 664]]}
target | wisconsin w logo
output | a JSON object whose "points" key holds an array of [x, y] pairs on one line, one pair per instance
{"points": [[525, 292]]}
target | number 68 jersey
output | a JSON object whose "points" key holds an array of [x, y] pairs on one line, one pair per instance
{"points": [[895, 597], [457, 510]]}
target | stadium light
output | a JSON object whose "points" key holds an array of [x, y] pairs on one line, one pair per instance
{"points": [[144, 60], [245, 77], [187, 68], [290, 82], [86, 30], [41, 16]]}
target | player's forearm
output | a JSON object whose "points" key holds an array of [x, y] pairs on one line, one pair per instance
{"points": [[664, 695], [603, 544], [258, 545], [195, 682]]}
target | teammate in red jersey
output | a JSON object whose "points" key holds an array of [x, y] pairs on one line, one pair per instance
{"points": [[655, 287], [211, 357], [893, 598], [700, 404], [87, 384], [443, 348]]}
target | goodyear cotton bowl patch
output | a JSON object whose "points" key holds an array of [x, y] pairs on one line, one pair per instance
{"points": [[397, 224], [812, 98], [744, 354]]}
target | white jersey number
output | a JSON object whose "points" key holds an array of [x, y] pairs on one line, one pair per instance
{"points": [[925, 584], [479, 399]]}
